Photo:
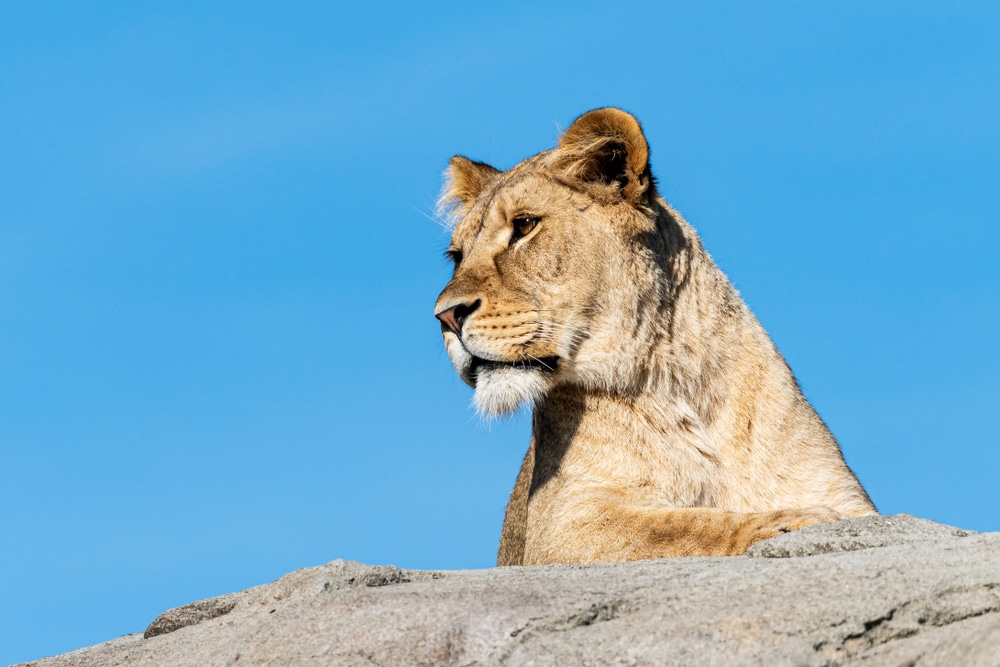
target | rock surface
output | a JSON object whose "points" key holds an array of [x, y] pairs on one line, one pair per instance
{"points": [[872, 591]]}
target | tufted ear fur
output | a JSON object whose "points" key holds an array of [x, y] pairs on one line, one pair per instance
{"points": [[606, 148], [464, 179]]}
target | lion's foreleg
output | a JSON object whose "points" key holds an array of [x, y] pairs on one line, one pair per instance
{"points": [[611, 532], [515, 520]]}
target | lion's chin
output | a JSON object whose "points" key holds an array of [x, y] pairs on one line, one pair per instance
{"points": [[500, 390]]}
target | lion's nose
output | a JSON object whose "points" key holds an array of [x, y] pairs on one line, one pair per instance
{"points": [[455, 317]]}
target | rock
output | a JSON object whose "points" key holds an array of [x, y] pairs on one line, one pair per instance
{"points": [[872, 591], [865, 533], [191, 614]]}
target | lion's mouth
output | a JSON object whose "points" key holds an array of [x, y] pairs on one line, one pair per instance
{"points": [[544, 364]]}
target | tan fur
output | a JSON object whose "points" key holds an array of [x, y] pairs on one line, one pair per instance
{"points": [[665, 421]]}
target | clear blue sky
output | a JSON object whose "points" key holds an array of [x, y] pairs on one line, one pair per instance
{"points": [[218, 361]]}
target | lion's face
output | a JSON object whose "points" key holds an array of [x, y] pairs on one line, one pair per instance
{"points": [[547, 260]]}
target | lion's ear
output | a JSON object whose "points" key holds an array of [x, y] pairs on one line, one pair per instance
{"points": [[464, 179], [606, 147]]}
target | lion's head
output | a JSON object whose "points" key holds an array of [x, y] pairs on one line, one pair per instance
{"points": [[557, 265]]}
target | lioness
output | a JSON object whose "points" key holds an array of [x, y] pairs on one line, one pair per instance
{"points": [[665, 421]]}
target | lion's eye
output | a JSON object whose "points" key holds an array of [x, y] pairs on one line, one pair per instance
{"points": [[454, 255], [523, 224]]}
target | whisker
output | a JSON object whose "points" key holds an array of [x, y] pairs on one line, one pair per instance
{"points": [[435, 218], [540, 362]]}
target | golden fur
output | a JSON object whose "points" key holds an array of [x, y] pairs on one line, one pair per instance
{"points": [[665, 421]]}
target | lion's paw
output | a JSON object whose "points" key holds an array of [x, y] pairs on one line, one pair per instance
{"points": [[789, 520], [772, 524]]}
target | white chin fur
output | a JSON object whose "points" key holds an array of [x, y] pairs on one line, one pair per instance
{"points": [[500, 391]]}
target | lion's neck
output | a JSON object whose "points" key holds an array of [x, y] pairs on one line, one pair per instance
{"points": [[687, 383]]}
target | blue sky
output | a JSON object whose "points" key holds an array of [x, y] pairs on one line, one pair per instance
{"points": [[218, 361]]}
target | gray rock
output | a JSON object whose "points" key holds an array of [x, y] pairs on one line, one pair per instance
{"points": [[191, 614], [867, 532], [874, 591]]}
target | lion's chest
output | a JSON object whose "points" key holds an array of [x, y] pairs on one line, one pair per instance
{"points": [[666, 458]]}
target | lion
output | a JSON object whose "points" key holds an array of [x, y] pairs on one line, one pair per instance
{"points": [[665, 421]]}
